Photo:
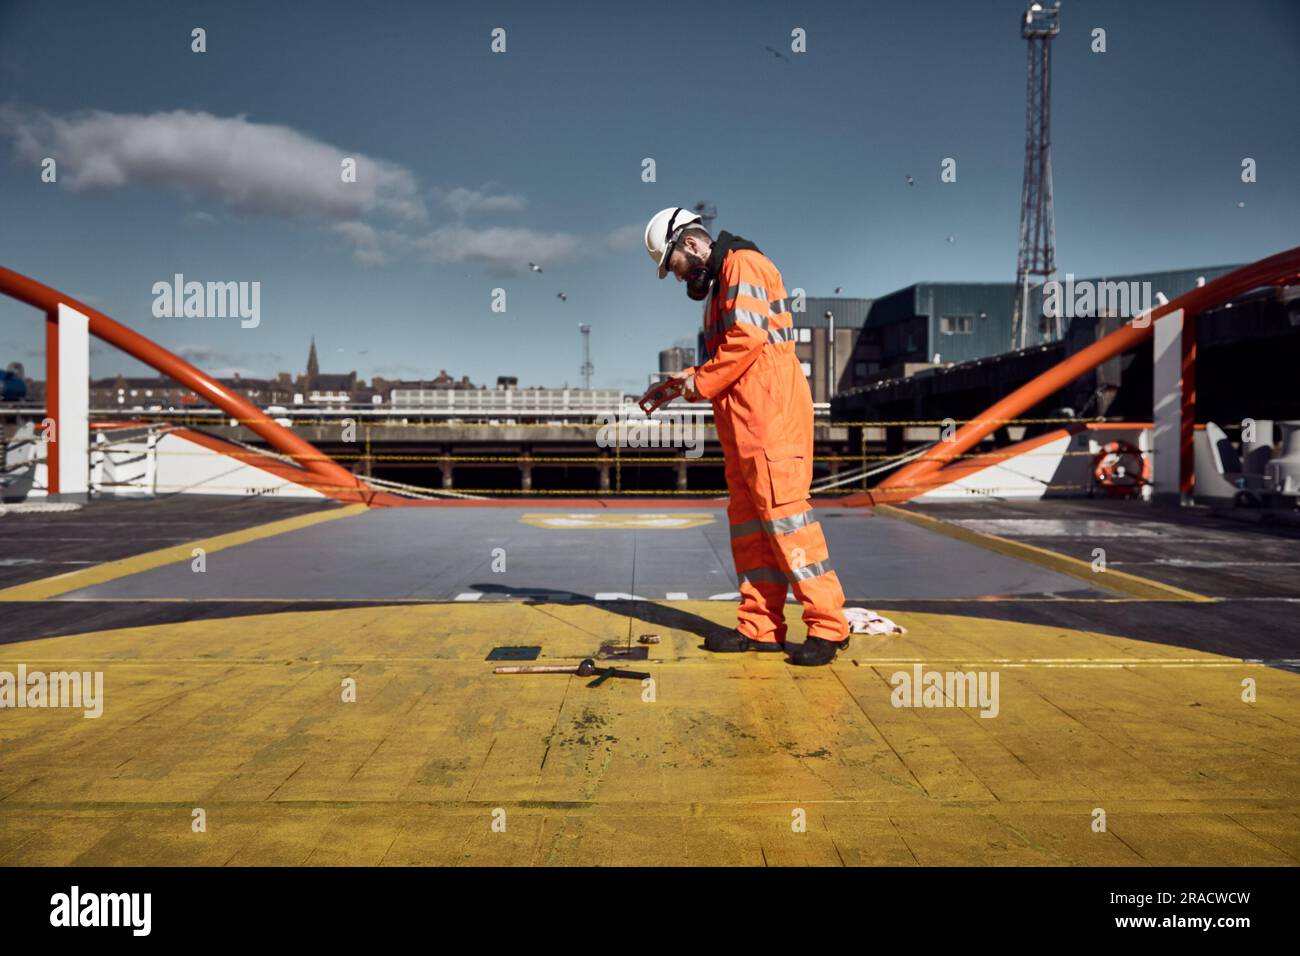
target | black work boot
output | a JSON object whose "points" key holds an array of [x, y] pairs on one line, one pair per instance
{"points": [[736, 641], [816, 651]]}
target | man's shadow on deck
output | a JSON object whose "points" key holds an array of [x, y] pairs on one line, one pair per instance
{"points": [[657, 615]]}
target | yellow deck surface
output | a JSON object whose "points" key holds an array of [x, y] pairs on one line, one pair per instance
{"points": [[243, 717]]}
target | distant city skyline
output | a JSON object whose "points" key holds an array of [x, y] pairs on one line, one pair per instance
{"points": [[523, 170]]}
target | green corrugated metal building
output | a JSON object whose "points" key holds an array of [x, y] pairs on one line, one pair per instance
{"points": [[960, 321], [957, 321]]}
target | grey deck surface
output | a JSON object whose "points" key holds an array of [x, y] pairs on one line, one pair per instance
{"points": [[38, 545], [446, 554], [1219, 555], [441, 554]]}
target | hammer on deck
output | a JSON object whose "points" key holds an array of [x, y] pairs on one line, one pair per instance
{"points": [[584, 669]]}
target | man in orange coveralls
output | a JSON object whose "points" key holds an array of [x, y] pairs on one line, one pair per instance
{"points": [[762, 409]]}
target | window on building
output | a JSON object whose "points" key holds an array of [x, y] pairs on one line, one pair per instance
{"points": [[956, 324], [805, 335], [807, 368], [860, 369]]}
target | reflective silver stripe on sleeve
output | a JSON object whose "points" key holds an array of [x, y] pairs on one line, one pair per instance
{"points": [[810, 571], [768, 575], [744, 288], [791, 524], [777, 336], [745, 528], [743, 315]]}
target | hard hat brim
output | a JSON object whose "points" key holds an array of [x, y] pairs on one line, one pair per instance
{"points": [[663, 260]]}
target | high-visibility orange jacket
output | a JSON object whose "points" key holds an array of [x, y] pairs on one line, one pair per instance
{"points": [[745, 312], [762, 409]]}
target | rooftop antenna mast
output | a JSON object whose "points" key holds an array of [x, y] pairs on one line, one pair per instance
{"points": [[585, 329], [1037, 258]]}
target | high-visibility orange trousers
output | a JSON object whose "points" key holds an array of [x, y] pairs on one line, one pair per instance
{"points": [[764, 423]]}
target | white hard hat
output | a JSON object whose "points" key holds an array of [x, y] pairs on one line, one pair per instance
{"points": [[662, 231]]}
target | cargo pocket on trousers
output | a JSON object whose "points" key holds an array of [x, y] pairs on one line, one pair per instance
{"points": [[787, 468]]}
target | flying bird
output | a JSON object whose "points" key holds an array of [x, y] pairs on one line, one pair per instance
{"points": [[839, 289], [910, 181], [534, 266], [776, 53], [952, 239], [562, 297]]}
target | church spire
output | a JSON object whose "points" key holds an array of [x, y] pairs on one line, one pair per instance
{"points": [[313, 366]]}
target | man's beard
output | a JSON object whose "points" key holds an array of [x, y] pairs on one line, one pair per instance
{"points": [[698, 279]]}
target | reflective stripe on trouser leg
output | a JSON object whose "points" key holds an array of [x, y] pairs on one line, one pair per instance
{"points": [[762, 582], [795, 538]]}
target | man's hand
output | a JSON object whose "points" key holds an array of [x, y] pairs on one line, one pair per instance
{"points": [[686, 378], [683, 384], [688, 389]]}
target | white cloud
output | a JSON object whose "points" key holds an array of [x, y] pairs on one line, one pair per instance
{"points": [[410, 372], [204, 355], [626, 237], [196, 353], [364, 239], [501, 249], [251, 167], [464, 201], [276, 170]]}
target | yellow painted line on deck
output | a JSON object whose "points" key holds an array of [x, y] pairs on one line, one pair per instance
{"points": [[1120, 581], [962, 662], [124, 567], [525, 598]]}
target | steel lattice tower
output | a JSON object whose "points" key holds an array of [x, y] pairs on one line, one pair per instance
{"points": [[1037, 258], [587, 369]]}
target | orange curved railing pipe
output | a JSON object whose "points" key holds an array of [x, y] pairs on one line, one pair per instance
{"points": [[1271, 271], [41, 296]]}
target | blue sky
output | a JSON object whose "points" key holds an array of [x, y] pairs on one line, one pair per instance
{"points": [[221, 165]]}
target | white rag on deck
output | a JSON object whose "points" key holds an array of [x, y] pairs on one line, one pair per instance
{"points": [[864, 621]]}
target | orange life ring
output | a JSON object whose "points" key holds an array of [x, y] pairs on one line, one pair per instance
{"points": [[1121, 469]]}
